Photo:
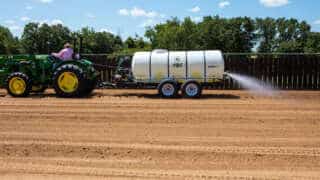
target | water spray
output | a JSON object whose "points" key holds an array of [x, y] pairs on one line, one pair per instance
{"points": [[254, 85]]}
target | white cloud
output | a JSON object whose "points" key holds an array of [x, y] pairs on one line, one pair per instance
{"points": [[106, 30], [52, 22], [90, 15], [45, 1], [124, 12], [224, 4], [25, 19], [138, 12], [56, 22], [10, 22], [195, 9], [274, 3], [196, 19], [148, 22], [14, 28], [162, 16], [28, 7], [41, 22], [317, 22]]}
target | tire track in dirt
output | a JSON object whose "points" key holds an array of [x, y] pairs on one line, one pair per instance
{"points": [[168, 174], [165, 140], [132, 134], [293, 151], [290, 151]]}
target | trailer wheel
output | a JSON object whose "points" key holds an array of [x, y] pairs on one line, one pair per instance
{"points": [[191, 89], [18, 84], [168, 89], [69, 81]]}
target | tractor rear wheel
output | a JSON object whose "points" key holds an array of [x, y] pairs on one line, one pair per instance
{"points": [[69, 81], [18, 84]]}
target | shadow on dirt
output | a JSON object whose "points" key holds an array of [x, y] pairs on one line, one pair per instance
{"points": [[127, 95], [40, 96], [156, 96], [53, 95]]}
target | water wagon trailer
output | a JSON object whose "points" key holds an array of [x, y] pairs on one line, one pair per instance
{"points": [[172, 71], [169, 71]]}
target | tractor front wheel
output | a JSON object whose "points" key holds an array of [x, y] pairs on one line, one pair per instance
{"points": [[18, 84], [69, 81]]}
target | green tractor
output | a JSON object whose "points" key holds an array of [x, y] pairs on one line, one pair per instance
{"points": [[25, 74]]}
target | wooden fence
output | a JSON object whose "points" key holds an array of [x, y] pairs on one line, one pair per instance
{"points": [[282, 71]]}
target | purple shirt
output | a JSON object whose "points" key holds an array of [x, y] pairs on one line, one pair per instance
{"points": [[64, 54]]}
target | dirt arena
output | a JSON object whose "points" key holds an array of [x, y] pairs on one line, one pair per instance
{"points": [[133, 134]]}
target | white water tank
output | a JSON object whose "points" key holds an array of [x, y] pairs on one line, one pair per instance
{"points": [[158, 65]]}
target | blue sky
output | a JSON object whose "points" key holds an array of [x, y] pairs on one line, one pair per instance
{"points": [[127, 17]]}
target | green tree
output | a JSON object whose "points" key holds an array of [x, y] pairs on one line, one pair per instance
{"points": [[100, 42], [129, 43], [165, 36], [44, 39], [313, 43], [213, 33], [233, 35], [30, 38], [118, 43], [188, 35], [240, 36], [292, 35], [8, 43], [132, 45], [135, 43], [266, 34], [59, 36]]}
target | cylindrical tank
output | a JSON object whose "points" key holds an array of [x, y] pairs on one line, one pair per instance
{"points": [[158, 65]]}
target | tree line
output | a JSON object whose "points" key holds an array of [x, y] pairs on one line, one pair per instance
{"points": [[240, 34]]}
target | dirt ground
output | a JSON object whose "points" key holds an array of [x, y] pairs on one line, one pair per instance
{"points": [[133, 134]]}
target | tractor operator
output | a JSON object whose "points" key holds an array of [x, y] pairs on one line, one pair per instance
{"points": [[65, 54]]}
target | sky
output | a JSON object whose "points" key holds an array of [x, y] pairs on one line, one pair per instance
{"points": [[130, 17]]}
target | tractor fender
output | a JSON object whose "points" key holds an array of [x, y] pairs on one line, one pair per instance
{"points": [[72, 62]]}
